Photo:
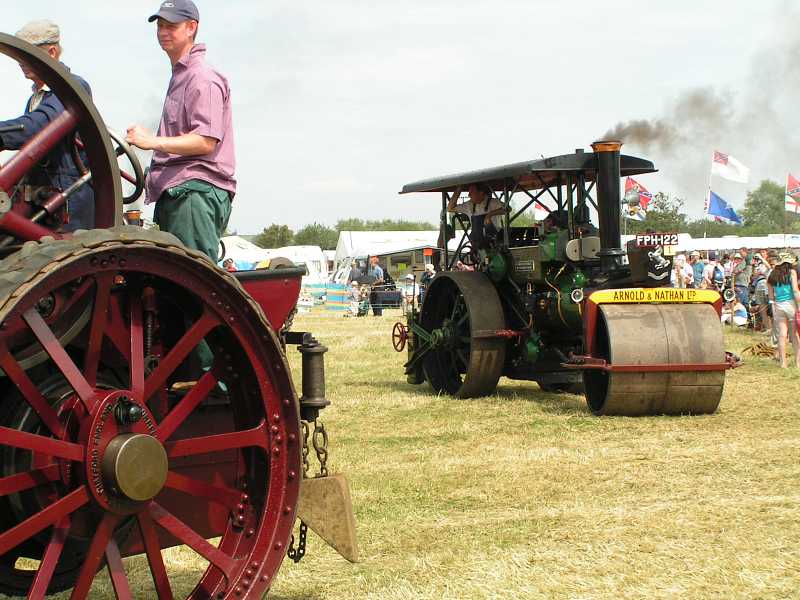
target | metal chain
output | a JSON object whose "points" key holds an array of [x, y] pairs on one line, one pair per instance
{"points": [[297, 554], [320, 440], [306, 464]]}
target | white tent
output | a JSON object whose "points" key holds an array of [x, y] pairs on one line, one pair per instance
{"points": [[310, 256], [245, 254], [367, 243]]}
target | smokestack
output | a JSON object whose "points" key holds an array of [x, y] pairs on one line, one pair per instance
{"points": [[609, 203]]}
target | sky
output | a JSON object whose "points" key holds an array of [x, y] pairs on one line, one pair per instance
{"points": [[339, 103]]}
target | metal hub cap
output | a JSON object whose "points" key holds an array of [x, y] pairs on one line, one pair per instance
{"points": [[136, 466]]}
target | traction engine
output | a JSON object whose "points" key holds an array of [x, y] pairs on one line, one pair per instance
{"points": [[560, 301], [113, 441]]}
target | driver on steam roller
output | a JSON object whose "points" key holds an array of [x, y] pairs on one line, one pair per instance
{"points": [[58, 170], [483, 210]]}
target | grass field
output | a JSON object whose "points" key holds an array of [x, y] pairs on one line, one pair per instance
{"points": [[526, 495]]}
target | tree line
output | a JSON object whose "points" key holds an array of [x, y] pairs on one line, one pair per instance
{"points": [[317, 234], [763, 213]]}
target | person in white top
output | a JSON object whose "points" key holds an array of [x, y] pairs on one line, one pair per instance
{"points": [[483, 209], [682, 275]]}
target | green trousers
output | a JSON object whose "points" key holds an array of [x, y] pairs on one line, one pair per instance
{"points": [[196, 213]]}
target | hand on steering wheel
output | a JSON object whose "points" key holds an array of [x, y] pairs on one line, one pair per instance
{"points": [[137, 179]]}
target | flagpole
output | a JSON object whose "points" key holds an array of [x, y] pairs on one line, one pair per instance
{"points": [[708, 197], [785, 216]]}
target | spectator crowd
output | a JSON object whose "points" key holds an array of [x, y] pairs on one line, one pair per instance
{"points": [[765, 285]]}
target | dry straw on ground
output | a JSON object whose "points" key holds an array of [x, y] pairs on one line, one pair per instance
{"points": [[526, 495]]}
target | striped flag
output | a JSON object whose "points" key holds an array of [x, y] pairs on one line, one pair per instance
{"points": [[636, 200], [792, 194]]}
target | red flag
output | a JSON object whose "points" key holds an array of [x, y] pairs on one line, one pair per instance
{"points": [[792, 194], [631, 185], [720, 158]]}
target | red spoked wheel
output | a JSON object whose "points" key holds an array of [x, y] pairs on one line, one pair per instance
{"points": [[106, 454], [399, 336]]}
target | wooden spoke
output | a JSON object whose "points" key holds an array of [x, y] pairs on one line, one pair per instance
{"points": [[95, 554], [217, 443], [44, 575], [98, 326], [224, 495], [13, 484], [30, 392], [154, 558], [40, 444], [186, 405]]}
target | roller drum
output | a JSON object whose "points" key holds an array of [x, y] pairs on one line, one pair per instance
{"points": [[653, 334]]}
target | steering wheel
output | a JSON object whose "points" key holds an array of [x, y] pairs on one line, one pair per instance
{"points": [[121, 147]]}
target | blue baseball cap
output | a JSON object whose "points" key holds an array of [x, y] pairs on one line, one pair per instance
{"points": [[177, 11]]}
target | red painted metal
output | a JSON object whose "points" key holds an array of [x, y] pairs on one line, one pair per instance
{"points": [[30, 392], [50, 560], [154, 557], [60, 357], [38, 443], [499, 333], [584, 363], [207, 446], [21, 228], [95, 554], [221, 494], [186, 406], [45, 518], [277, 297], [254, 437], [98, 327], [35, 150], [179, 352], [137, 348], [225, 563], [20, 482], [116, 571]]}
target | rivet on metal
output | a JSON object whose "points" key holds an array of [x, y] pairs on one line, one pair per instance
{"points": [[245, 498], [264, 578], [292, 437], [276, 451], [279, 546], [249, 573], [123, 262], [276, 418], [240, 508], [238, 591], [287, 402], [292, 474], [251, 532], [246, 583], [274, 429], [255, 564], [287, 510]]}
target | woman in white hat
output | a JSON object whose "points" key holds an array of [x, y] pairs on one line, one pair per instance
{"points": [[784, 296]]}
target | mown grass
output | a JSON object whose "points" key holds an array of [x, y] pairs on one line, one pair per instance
{"points": [[526, 495]]}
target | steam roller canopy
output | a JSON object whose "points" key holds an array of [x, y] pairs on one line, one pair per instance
{"points": [[653, 334]]}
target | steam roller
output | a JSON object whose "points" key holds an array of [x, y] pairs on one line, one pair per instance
{"points": [[114, 442], [561, 301]]}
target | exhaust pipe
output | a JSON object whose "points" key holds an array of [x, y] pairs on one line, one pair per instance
{"points": [[609, 204]]}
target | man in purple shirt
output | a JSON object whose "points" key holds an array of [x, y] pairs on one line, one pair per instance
{"points": [[191, 177]]}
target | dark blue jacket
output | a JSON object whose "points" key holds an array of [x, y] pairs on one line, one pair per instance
{"points": [[58, 169]]}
